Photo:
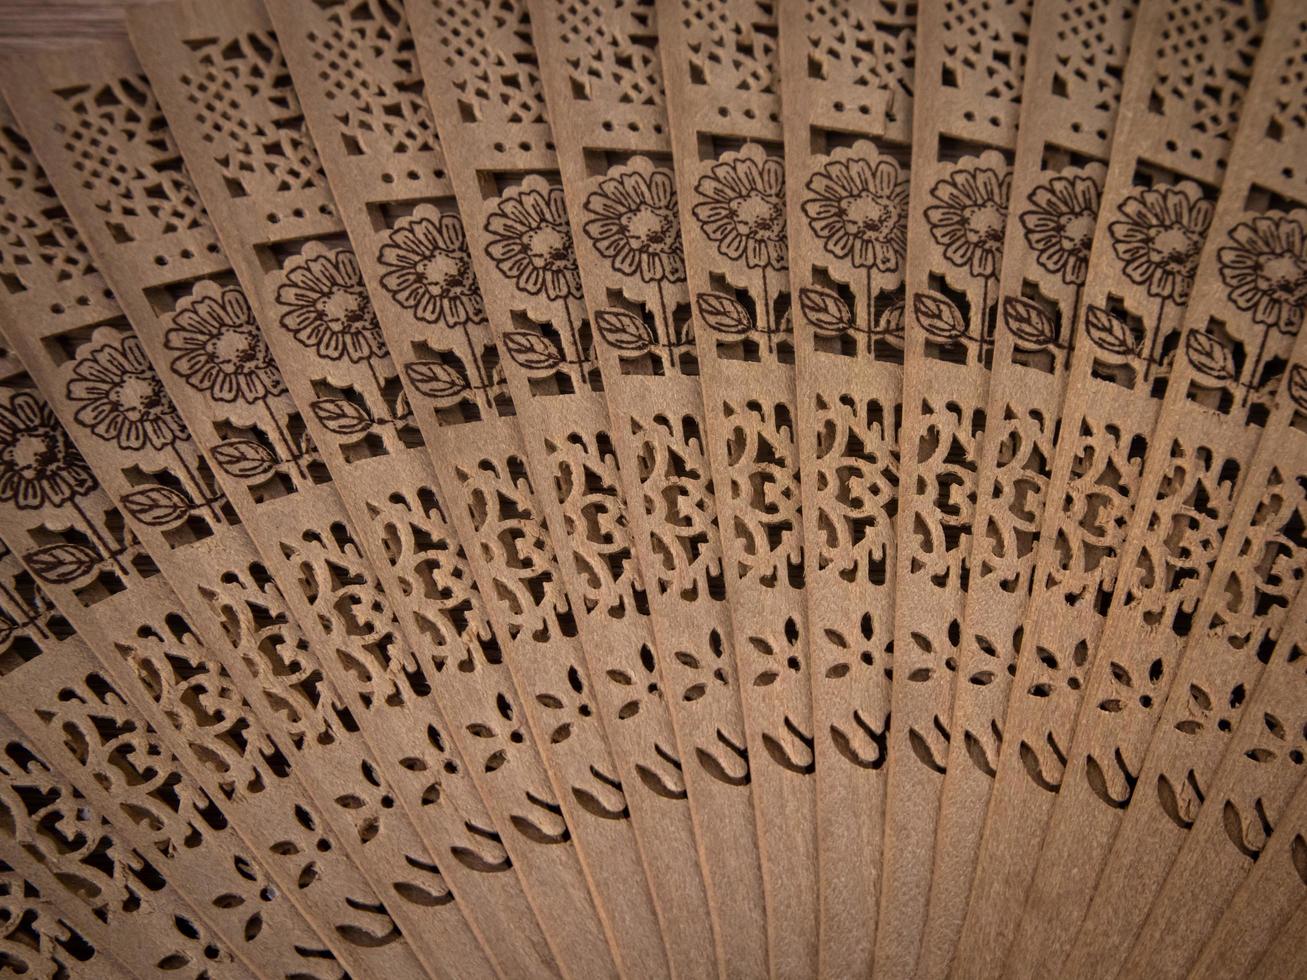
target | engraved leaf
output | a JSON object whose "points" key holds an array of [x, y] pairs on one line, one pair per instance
{"points": [[435, 380], [1029, 324], [157, 506], [60, 564], [1298, 386], [1109, 332], [681, 331], [938, 317], [1209, 356], [891, 321], [244, 458], [531, 351], [624, 330], [824, 310], [723, 314], [341, 416]]}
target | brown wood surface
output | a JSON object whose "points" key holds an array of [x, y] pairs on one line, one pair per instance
{"points": [[38, 23]]}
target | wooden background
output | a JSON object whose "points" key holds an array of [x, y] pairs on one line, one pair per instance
{"points": [[24, 23]]}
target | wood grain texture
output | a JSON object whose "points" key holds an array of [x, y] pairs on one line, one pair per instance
{"points": [[38, 24]]}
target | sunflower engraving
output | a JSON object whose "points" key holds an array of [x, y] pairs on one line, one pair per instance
{"points": [[221, 351], [1265, 271], [326, 308], [741, 209], [1059, 226], [122, 400], [39, 465], [431, 271], [859, 210], [531, 244], [635, 225], [970, 218], [1160, 239]]}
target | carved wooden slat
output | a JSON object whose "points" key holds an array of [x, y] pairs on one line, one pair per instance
{"points": [[1071, 93], [1282, 959], [38, 936], [602, 80], [554, 684], [721, 71], [1260, 729], [1268, 906], [115, 881], [364, 158], [97, 800], [289, 270], [350, 783], [847, 112], [1098, 466], [1214, 419], [970, 68], [104, 585], [104, 389], [1204, 408], [569, 457]]}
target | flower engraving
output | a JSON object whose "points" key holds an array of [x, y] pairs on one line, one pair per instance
{"points": [[221, 351], [1160, 239], [326, 307], [1059, 226], [970, 218], [1159, 242], [859, 211], [531, 244], [122, 400], [635, 225], [39, 465], [742, 210], [223, 354], [431, 271], [1266, 271]]}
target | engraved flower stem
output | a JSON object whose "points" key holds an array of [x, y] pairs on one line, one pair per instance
{"points": [[201, 493], [1075, 319], [667, 328], [986, 338], [1152, 344], [377, 379], [483, 384], [1251, 386], [766, 303], [24, 615], [291, 454], [100, 539], [871, 315], [576, 341]]}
